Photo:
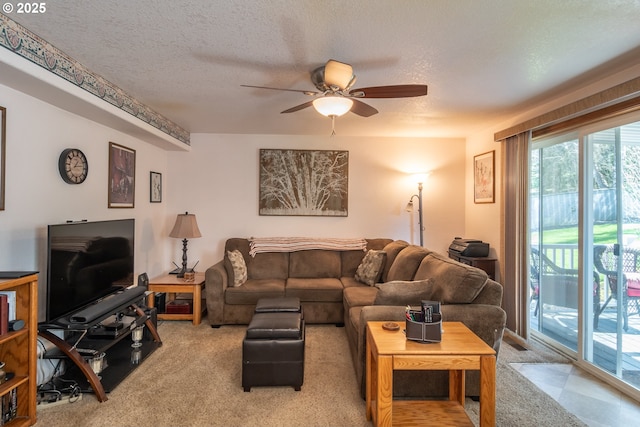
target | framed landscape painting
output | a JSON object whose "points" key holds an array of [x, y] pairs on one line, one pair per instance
{"points": [[484, 177], [304, 182], [122, 175]]}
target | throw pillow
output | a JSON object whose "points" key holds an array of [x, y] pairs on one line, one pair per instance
{"points": [[400, 292], [239, 267], [392, 250], [453, 282], [370, 269]]}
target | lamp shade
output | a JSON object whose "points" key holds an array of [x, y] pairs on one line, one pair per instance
{"points": [[409, 206], [420, 178], [338, 74], [332, 105], [185, 227]]}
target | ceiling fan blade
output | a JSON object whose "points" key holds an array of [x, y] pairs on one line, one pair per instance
{"points": [[306, 92], [396, 91], [298, 107], [338, 74], [362, 109]]}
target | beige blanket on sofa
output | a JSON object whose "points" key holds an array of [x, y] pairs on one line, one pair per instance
{"points": [[291, 244]]}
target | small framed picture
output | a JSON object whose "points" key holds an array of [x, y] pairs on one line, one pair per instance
{"points": [[122, 175], [3, 132], [155, 190], [484, 177]]}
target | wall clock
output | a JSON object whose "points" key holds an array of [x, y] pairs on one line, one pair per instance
{"points": [[73, 166]]}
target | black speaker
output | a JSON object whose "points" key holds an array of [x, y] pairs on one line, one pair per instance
{"points": [[143, 280], [16, 325], [160, 301]]}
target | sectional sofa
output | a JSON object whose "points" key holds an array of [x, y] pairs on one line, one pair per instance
{"points": [[352, 287]]}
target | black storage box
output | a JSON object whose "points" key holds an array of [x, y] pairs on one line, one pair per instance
{"points": [[424, 332]]}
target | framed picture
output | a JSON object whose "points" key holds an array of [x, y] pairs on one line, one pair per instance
{"points": [[484, 177], [155, 195], [122, 176], [3, 134], [304, 182]]}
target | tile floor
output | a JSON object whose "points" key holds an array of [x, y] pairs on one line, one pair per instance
{"points": [[594, 402]]}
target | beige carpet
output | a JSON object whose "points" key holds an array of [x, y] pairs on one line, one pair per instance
{"points": [[194, 379]]}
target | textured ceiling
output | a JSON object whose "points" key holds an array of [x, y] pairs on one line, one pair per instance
{"points": [[483, 60]]}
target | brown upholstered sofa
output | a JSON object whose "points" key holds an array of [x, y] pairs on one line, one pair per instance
{"points": [[317, 277], [325, 281]]}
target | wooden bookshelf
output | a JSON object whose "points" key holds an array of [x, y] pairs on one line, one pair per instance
{"points": [[18, 350]]}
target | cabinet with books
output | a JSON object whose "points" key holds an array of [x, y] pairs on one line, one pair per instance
{"points": [[18, 333]]}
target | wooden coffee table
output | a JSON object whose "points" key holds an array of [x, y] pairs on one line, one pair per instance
{"points": [[459, 350], [171, 285]]}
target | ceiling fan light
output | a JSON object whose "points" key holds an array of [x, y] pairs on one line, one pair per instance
{"points": [[338, 73], [332, 105]]}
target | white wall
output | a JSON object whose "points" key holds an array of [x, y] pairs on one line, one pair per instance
{"points": [[36, 196], [484, 221], [218, 181]]}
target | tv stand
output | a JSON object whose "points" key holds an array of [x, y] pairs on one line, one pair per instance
{"points": [[83, 339]]}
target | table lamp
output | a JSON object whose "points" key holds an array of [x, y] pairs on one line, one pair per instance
{"points": [[185, 228]]}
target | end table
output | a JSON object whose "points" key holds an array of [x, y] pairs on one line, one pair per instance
{"points": [[171, 285]]}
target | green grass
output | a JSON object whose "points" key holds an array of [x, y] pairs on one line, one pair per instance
{"points": [[602, 233]]}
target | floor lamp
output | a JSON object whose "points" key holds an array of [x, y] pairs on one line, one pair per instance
{"points": [[410, 208], [186, 227]]}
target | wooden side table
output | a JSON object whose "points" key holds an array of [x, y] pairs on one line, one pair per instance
{"points": [[459, 350], [487, 264], [171, 285]]}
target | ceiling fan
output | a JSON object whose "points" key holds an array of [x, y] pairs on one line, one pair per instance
{"points": [[335, 96]]}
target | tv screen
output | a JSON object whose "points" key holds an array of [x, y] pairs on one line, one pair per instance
{"points": [[87, 261]]}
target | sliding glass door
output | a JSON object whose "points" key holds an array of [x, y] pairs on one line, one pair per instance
{"points": [[554, 240], [612, 235], [584, 232]]}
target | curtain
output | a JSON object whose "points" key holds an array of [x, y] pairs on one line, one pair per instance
{"points": [[514, 233]]}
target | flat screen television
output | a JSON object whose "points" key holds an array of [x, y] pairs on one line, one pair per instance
{"points": [[86, 262]]}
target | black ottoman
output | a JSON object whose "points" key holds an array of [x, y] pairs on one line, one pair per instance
{"points": [[283, 304], [273, 347]]}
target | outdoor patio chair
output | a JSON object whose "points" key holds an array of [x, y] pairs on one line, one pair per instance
{"points": [[560, 285], [605, 259], [534, 279]]}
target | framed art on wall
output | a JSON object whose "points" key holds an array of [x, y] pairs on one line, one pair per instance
{"points": [[155, 179], [122, 175], [3, 133], [484, 177], [304, 182]]}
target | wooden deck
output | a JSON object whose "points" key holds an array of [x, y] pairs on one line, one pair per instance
{"points": [[560, 324]]}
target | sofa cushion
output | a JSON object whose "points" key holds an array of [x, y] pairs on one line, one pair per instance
{"points": [[254, 289], [314, 263], [392, 250], [267, 265], [406, 263], [399, 292], [370, 269], [453, 282], [348, 282], [351, 259], [238, 267], [359, 295], [325, 289]]}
